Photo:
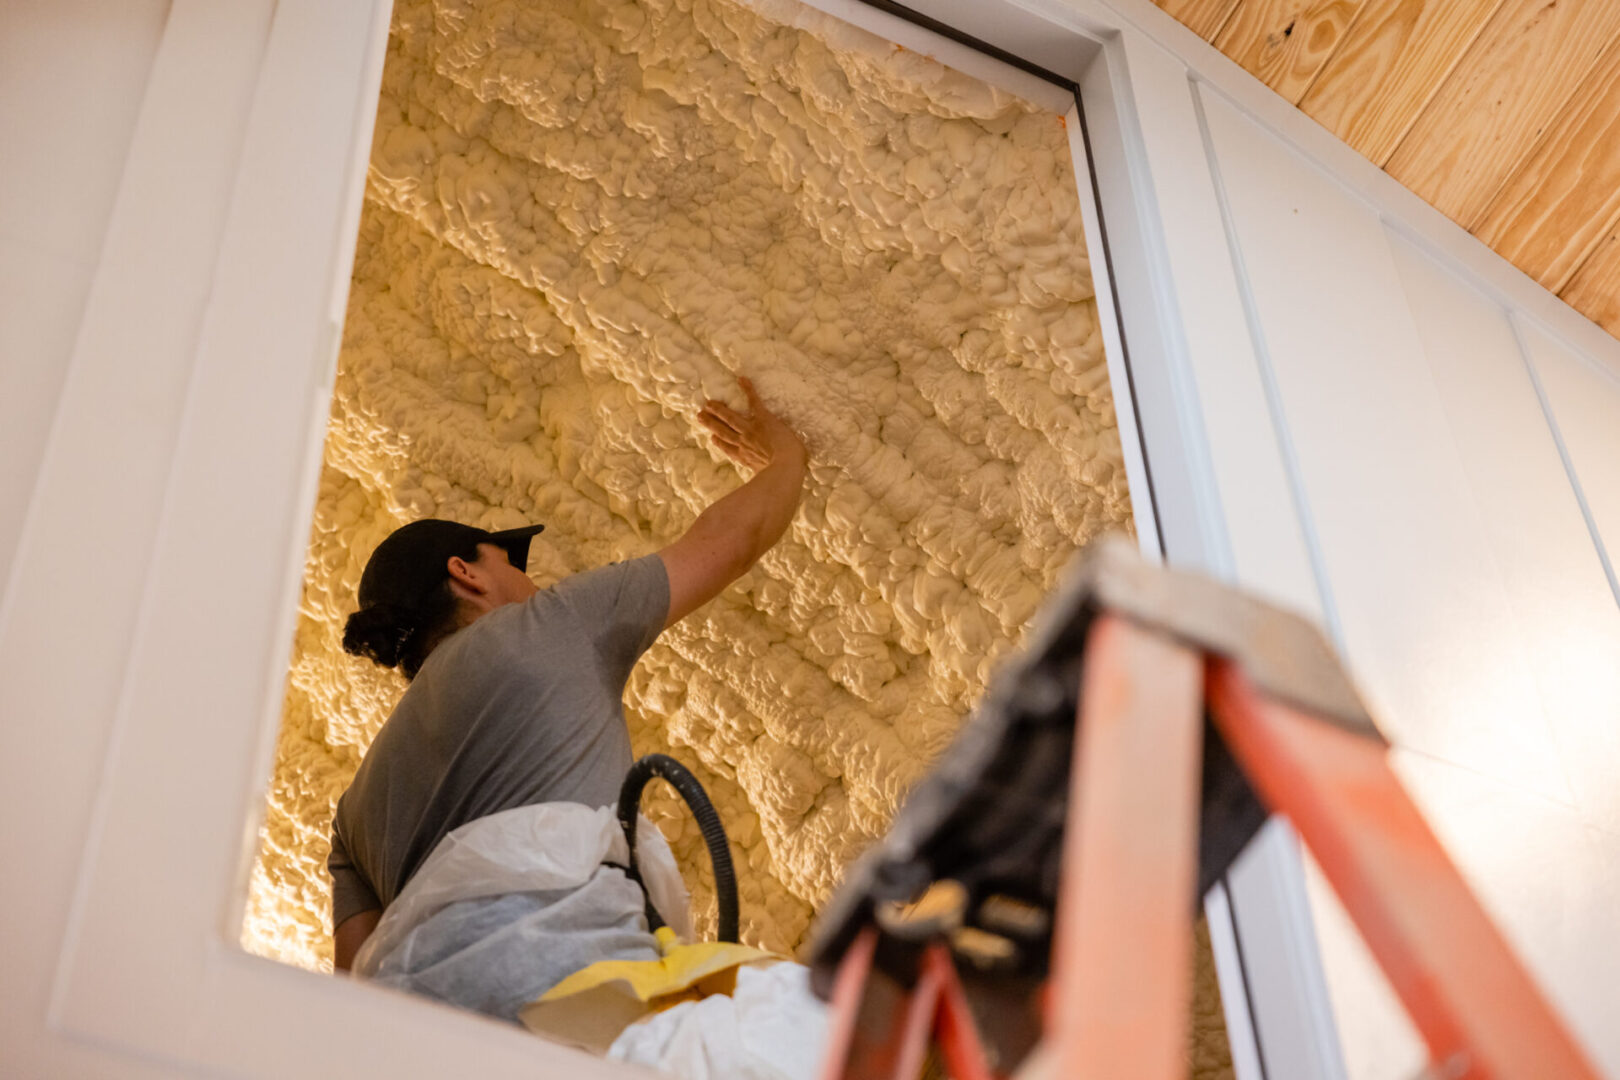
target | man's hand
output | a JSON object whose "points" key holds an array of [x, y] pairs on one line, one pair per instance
{"points": [[754, 440], [350, 935], [728, 537]]}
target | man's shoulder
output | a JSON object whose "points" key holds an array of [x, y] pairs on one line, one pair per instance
{"points": [[603, 585], [510, 638]]}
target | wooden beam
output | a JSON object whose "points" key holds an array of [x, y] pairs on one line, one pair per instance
{"points": [[1286, 43], [1594, 290], [1203, 17], [1507, 89], [1391, 64], [1565, 197]]}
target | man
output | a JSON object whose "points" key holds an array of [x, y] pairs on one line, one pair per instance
{"points": [[516, 692]]}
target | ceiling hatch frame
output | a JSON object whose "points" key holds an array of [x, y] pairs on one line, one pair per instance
{"points": [[150, 971]]}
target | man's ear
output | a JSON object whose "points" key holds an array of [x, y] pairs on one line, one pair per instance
{"points": [[465, 575]]}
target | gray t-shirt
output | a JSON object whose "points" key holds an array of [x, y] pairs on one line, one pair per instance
{"points": [[524, 706]]}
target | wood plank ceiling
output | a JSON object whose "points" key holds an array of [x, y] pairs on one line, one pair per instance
{"points": [[1503, 114]]}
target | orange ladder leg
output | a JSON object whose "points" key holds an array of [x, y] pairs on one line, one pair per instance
{"points": [[849, 1043], [1121, 976], [955, 1028], [1482, 1017], [882, 1032]]}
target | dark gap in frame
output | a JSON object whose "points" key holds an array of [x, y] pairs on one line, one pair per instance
{"points": [[944, 30], [1119, 323], [1243, 970]]}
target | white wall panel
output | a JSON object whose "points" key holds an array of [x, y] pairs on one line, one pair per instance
{"points": [[60, 167], [41, 298], [1583, 395], [71, 77], [1376, 1037], [1459, 571], [1547, 877], [1418, 601], [1548, 865], [65, 637], [1564, 625]]}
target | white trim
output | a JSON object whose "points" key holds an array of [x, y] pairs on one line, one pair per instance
{"points": [[1229, 973], [952, 54], [1143, 510], [362, 121], [152, 971], [1185, 498], [1532, 368], [1267, 372], [1292, 1014]]}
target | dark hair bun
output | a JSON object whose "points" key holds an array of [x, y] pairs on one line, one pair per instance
{"points": [[380, 632]]}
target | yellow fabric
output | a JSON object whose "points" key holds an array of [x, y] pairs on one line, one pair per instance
{"points": [[593, 1005], [680, 968]]}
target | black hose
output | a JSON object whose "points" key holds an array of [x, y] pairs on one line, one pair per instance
{"points": [[714, 833]]}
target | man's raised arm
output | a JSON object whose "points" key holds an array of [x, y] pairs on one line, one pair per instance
{"points": [[731, 535]]}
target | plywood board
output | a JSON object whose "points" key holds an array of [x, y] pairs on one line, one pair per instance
{"points": [[1393, 60], [1594, 291], [1565, 197], [1508, 88], [1203, 17], [1285, 43]]}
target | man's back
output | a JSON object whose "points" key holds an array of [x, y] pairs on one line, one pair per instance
{"points": [[523, 706]]}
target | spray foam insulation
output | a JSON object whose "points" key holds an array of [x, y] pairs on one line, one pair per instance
{"points": [[581, 218]]}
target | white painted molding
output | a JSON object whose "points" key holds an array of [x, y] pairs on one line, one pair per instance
{"points": [[1228, 954], [152, 971], [1143, 511], [1026, 36]]}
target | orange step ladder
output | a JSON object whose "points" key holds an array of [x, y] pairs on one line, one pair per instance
{"points": [[1030, 913]]}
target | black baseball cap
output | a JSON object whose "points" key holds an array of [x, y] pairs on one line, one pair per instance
{"points": [[406, 566]]}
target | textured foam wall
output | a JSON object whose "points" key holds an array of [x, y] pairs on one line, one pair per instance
{"points": [[582, 216]]}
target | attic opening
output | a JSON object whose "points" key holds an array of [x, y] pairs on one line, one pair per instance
{"points": [[582, 219]]}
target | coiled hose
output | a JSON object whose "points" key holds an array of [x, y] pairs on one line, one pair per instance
{"points": [[714, 833]]}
